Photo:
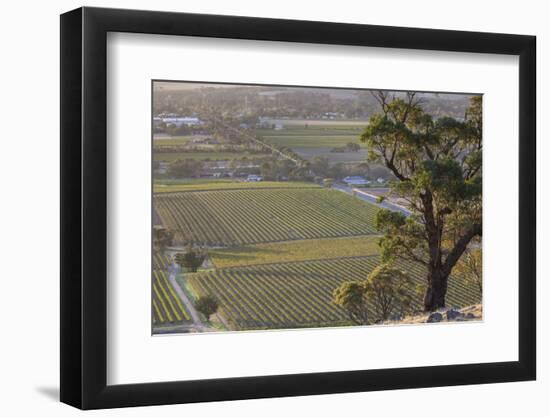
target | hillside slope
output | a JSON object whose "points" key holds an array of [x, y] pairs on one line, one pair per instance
{"points": [[470, 313]]}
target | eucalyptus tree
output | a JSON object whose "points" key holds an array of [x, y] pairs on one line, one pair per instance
{"points": [[437, 165], [350, 296], [390, 290]]}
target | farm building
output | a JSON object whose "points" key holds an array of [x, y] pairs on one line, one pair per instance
{"points": [[205, 141], [356, 181], [178, 121]]}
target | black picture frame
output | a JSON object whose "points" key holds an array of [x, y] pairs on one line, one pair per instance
{"points": [[84, 207]]}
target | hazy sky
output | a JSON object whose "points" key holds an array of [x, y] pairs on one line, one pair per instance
{"points": [[163, 85], [179, 86]]}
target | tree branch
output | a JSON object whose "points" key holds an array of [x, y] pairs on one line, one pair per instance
{"points": [[460, 246], [391, 166]]}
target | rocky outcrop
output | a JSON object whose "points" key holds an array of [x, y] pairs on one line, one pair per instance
{"points": [[470, 313]]}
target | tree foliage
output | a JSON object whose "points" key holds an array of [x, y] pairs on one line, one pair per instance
{"points": [[328, 182], [183, 168], [348, 147], [351, 297], [192, 258], [207, 305], [276, 169], [389, 290], [353, 147], [469, 267], [162, 238], [320, 166], [437, 169]]}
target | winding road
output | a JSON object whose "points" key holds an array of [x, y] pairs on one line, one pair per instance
{"points": [[195, 317], [172, 271], [198, 324]]}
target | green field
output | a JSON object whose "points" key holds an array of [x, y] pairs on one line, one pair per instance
{"points": [[221, 185], [167, 307], [327, 123], [316, 136], [298, 250], [195, 181], [310, 141], [172, 141], [319, 141], [298, 294], [213, 156], [312, 131], [240, 217]]}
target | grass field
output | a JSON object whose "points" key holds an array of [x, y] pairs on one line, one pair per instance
{"points": [[299, 250], [223, 185], [240, 217], [298, 294]]}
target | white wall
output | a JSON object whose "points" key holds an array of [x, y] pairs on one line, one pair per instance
{"points": [[29, 208]]}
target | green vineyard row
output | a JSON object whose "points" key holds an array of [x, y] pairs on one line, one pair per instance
{"points": [[167, 306], [160, 261], [230, 218], [298, 294]]}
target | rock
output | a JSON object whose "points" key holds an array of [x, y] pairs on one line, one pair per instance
{"points": [[470, 316], [434, 318], [453, 314]]}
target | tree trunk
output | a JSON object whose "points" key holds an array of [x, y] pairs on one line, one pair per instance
{"points": [[438, 273], [436, 290]]}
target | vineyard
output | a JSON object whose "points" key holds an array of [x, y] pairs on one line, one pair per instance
{"points": [[240, 217], [160, 261], [224, 185], [296, 250], [167, 307], [298, 294], [276, 252]]}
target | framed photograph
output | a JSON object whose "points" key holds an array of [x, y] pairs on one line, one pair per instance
{"points": [[257, 208]]}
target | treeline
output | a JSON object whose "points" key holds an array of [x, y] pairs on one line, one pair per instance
{"points": [[348, 147], [321, 167], [209, 149], [171, 129], [246, 104]]}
